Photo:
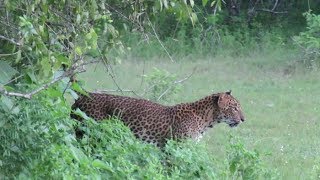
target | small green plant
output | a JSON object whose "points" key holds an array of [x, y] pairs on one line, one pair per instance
{"points": [[187, 160], [316, 170], [245, 164], [309, 40], [161, 85]]}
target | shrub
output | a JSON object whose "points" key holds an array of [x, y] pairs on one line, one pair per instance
{"points": [[38, 141], [28, 130], [309, 41], [245, 164], [161, 85]]}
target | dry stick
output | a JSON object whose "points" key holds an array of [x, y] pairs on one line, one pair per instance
{"points": [[108, 67], [4, 55], [142, 76], [275, 5], [13, 80], [160, 42], [10, 40], [117, 90], [273, 12]]}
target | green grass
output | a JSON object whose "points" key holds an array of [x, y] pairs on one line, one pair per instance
{"points": [[281, 104]]}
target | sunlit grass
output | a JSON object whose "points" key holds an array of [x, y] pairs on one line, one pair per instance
{"points": [[282, 109]]}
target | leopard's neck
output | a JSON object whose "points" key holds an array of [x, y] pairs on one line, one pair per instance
{"points": [[206, 108]]}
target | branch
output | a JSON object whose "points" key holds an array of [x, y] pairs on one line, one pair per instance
{"points": [[174, 83], [160, 42], [275, 5], [117, 90], [75, 69], [10, 40], [271, 11]]}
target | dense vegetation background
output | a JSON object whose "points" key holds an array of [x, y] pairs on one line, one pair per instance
{"points": [[43, 44]]}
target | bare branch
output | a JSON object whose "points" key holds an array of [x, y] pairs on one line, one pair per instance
{"points": [[275, 5], [4, 55], [174, 83], [13, 80], [160, 42], [271, 11], [117, 90], [109, 68], [10, 40]]}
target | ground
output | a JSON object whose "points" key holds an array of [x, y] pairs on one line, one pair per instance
{"points": [[281, 104]]}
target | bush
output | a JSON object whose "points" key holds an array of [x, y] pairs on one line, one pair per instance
{"points": [[38, 141], [309, 41], [245, 164], [161, 85], [28, 131]]}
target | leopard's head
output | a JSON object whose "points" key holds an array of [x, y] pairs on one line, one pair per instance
{"points": [[229, 109]]}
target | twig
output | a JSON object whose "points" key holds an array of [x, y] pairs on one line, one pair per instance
{"points": [[275, 5], [271, 11], [160, 42], [117, 90], [12, 80], [4, 55], [174, 83], [10, 40], [108, 67], [142, 76]]}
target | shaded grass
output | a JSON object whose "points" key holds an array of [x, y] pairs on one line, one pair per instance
{"points": [[282, 108]]}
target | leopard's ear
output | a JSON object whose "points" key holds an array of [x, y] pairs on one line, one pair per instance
{"points": [[228, 92], [222, 100]]}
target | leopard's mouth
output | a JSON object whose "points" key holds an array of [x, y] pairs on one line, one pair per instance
{"points": [[233, 124]]}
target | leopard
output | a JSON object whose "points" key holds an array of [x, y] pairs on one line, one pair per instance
{"points": [[155, 123]]}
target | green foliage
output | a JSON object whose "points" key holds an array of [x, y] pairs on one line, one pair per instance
{"points": [[246, 164], [39, 142], [316, 171], [187, 160], [28, 129], [309, 40], [161, 85]]}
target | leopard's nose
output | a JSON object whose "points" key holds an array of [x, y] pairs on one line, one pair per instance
{"points": [[242, 119]]}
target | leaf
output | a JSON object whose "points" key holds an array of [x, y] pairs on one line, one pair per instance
{"points": [[219, 5], [165, 3], [73, 93], [75, 86], [2, 122], [100, 164], [78, 50], [31, 77], [6, 72], [78, 20], [191, 3], [78, 154], [6, 103], [53, 92], [45, 66], [81, 114], [193, 18], [18, 58], [204, 2], [213, 3]]}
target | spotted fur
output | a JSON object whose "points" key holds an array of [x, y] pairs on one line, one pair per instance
{"points": [[155, 123]]}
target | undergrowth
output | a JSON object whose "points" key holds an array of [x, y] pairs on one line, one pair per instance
{"points": [[38, 141]]}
